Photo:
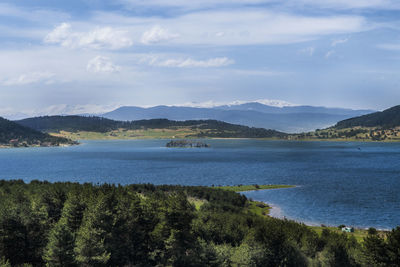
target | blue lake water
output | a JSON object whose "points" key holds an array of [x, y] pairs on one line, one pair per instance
{"points": [[338, 182]]}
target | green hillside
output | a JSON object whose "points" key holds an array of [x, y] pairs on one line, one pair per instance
{"points": [[377, 126], [13, 134], [78, 127], [72, 224], [388, 118]]}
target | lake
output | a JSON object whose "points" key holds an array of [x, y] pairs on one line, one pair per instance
{"points": [[348, 183]]}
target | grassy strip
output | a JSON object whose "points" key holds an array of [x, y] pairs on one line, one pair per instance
{"points": [[129, 134], [258, 207], [243, 188], [255, 207], [359, 234]]}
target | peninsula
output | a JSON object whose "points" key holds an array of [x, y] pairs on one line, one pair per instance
{"points": [[15, 135]]}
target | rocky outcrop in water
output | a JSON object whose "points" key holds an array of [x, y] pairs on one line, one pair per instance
{"points": [[186, 143]]}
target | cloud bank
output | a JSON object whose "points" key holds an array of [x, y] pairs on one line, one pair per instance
{"points": [[100, 37], [100, 64], [157, 34]]}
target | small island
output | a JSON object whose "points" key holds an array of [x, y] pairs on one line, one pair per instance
{"points": [[186, 143]]}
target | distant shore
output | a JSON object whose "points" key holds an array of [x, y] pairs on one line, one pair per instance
{"points": [[4, 146]]}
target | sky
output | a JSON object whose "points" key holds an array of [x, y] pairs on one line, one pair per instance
{"points": [[94, 55]]}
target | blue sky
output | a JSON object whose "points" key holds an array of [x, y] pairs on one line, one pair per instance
{"points": [[93, 55]]}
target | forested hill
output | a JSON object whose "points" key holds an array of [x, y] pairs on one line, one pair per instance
{"points": [[196, 128], [71, 123], [388, 118], [13, 134], [71, 224]]}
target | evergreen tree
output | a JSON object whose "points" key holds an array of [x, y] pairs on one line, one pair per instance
{"points": [[375, 251], [73, 210], [60, 246], [91, 249], [181, 243]]}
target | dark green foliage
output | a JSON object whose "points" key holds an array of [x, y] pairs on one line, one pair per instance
{"points": [[14, 134], [388, 118], [211, 128], [375, 251], [378, 251], [60, 246], [338, 249], [70, 123], [70, 224], [12, 239]]}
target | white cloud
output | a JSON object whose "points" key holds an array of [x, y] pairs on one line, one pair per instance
{"points": [[104, 37], [157, 34], [65, 109], [61, 109], [100, 64], [30, 78], [308, 51], [241, 27], [188, 62], [61, 34], [329, 53], [339, 41]]}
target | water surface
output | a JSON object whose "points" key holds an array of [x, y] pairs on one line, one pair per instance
{"points": [[338, 182]]}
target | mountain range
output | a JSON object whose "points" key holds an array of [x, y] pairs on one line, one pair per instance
{"points": [[290, 119]]}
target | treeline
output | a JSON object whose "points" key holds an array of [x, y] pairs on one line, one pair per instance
{"points": [[71, 124], [211, 128], [14, 134], [70, 224]]}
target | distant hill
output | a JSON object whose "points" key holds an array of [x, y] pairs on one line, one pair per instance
{"points": [[200, 128], [378, 126], [287, 119], [71, 123], [13, 134], [388, 118]]}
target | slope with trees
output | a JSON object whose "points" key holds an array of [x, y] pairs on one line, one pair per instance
{"points": [[377, 126], [71, 224], [13, 134], [388, 118]]}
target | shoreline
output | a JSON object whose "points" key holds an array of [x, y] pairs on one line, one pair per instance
{"points": [[275, 211], [36, 146], [240, 138]]}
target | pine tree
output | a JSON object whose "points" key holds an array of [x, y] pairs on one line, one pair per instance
{"points": [[60, 247], [91, 249], [73, 210]]}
